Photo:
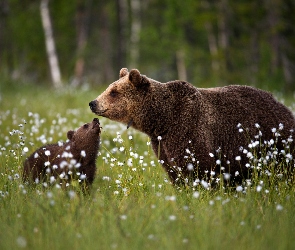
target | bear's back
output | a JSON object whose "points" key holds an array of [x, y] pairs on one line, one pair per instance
{"points": [[248, 105]]}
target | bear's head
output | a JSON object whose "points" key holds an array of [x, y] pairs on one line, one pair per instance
{"points": [[123, 99], [86, 137]]}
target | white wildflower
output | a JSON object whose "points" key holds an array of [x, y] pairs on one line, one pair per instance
{"points": [[190, 167], [238, 158], [52, 179], [258, 188], [170, 198], [289, 156], [172, 217], [82, 177], [21, 242], [196, 194], [106, 178], [72, 194], [47, 163], [205, 184], [63, 164], [123, 217], [226, 176], [83, 153]]}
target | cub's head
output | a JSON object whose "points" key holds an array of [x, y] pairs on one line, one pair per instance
{"points": [[123, 98], [87, 134]]}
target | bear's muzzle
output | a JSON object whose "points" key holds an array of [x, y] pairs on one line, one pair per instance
{"points": [[96, 109]]}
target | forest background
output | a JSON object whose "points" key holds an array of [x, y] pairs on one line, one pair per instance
{"points": [[208, 42]]}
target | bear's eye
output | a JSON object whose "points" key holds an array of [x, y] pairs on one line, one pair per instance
{"points": [[113, 93], [85, 125]]}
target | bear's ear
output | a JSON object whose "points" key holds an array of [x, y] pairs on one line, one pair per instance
{"points": [[123, 72], [70, 134], [137, 79]]}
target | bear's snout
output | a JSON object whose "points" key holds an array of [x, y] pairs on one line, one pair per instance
{"points": [[95, 123], [92, 105]]}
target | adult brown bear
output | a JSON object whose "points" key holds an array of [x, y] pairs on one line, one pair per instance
{"points": [[198, 132]]}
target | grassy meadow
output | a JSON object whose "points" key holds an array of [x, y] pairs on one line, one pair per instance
{"points": [[131, 204]]}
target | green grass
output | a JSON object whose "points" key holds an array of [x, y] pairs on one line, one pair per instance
{"points": [[129, 206]]}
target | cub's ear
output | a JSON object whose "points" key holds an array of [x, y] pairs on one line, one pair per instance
{"points": [[123, 72], [70, 134], [137, 79]]}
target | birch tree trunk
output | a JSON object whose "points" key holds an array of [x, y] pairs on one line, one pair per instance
{"points": [[50, 45], [135, 33]]}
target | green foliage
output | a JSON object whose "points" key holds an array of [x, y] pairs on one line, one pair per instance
{"points": [[131, 204], [223, 42]]}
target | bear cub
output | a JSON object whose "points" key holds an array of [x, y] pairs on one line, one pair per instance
{"points": [[63, 162]]}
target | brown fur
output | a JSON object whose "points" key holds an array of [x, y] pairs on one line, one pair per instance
{"points": [[65, 158], [193, 122]]}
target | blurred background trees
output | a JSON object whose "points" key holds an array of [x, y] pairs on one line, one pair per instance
{"points": [[206, 42]]}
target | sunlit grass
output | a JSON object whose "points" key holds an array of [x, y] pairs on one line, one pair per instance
{"points": [[132, 204]]}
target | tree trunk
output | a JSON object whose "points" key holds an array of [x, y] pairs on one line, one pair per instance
{"points": [[135, 33], [223, 35], [254, 56], [212, 47], [4, 9], [273, 22], [50, 45], [287, 70], [122, 6], [82, 17], [107, 67], [180, 63]]}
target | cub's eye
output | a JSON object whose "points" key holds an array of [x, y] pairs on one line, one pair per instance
{"points": [[85, 125], [113, 93]]}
